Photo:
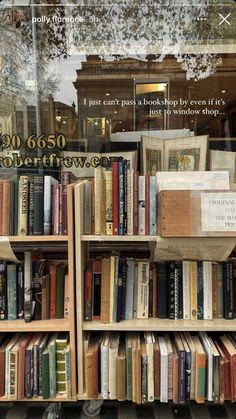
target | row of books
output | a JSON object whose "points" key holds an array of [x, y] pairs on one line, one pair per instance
{"points": [[142, 367], [33, 365], [120, 202], [34, 205], [118, 289], [35, 289]]}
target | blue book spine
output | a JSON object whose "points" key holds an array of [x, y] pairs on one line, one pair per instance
{"points": [[200, 290], [12, 292], [116, 288], [153, 206], [181, 376], [129, 296], [188, 374], [121, 198]]}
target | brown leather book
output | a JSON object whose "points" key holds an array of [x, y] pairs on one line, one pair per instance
{"points": [[121, 362], [44, 297], [91, 368], [175, 375], [6, 207], [105, 290], [223, 371], [156, 368], [230, 353], [24, 341]]}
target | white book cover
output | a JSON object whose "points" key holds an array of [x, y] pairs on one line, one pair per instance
{"points": [[130, 206], [223, 160], [207, 290], [113, 354], [141, 205], [150, 353], [105, 367], [163, 370], [206, 343], [201, 180], [143, 290], [186, 290]]}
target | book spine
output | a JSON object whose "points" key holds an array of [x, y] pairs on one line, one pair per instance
{"points": [[97, 290], [136, 203], [141, 205], [162, 291], [144, 382], [119, 298], [52, 369], [130, 202], [68, 373], [126, 166], [35, 370], [116, 278], [172, 291], [27, 287], [60, 286], [180, 290], [45, 376], [31, 206], [200, 290], [214, 308], [53, 281], [23, 206], [219, 291], [188, 374], [55, 207], [15, 210], [38, 200], [150, 302], [193, 287], [143, 290], [207, 290], [13, 375], [40, 367], [3, 291], [1, 207], [20, 292], [186, 290], [112, 284], [153, 206], [129, 297], [228, 290], [65, 181], [28, 368], [115, 197], [104, 371], [109, 209], [147, 205], [11, 292], [47, 219], [37, 289], [121, 197], [67, 297], [123, 288], [87, 208], [181, 377], [6, 207]]}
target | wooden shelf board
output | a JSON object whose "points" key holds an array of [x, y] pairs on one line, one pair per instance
{"points": [[29, 239], [163, 325], [38, 399], [54, 325], [118, 238]]}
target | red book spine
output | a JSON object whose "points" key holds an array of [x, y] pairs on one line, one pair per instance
{"points": [[53, 284], [88, 295], [1, 207], [147, 205], [60, 209], [2, 373], [227, 379], [115, 197], [136, 175]]}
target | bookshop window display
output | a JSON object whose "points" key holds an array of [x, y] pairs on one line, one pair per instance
{"points": [[119, 200]]}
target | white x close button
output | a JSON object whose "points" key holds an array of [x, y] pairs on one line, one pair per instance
{"points": [[224, 19]]}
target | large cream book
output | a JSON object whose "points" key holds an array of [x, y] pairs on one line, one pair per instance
{"points": [[135, 136], [223, 160]]}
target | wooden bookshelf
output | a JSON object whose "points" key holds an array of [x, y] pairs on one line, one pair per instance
{"points": [[38, 399], [163, 325], [38, 239], [55, 325], [103, 238]]}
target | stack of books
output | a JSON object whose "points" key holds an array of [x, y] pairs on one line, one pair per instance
{"points": [[120, 202], [118, 289], [142, 367], [33, 365], [34, 289], [34, 205]]}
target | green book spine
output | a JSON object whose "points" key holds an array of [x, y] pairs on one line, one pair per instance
{"points": [[52, 369], [61, 344], [68, 372], [45, 375], [201, 382], [60, 292]]}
